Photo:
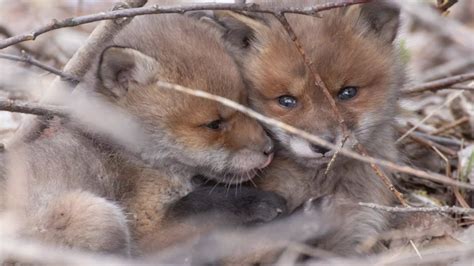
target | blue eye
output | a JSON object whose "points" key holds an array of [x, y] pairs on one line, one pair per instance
{"points": [[347, 93], [215, 125], [287, 101]]}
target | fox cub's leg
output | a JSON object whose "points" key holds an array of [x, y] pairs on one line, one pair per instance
{"points": [[85, 221], [230, 206]]}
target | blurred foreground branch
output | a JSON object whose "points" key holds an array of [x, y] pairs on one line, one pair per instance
{"points": [[32, 108], [443, 209], [315, 139]]}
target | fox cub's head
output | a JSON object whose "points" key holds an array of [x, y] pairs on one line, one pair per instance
{"points": [[204, 135], [351, 50]]}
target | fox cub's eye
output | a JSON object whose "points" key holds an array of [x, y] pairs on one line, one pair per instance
{"points": [[287, 101], [347, 93], [215, 125]]}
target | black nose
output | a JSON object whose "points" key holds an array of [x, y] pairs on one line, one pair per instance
{"points": [[320, 149], [269, 147]]}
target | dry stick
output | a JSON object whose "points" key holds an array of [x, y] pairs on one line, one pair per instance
{"points": [[77, 66], [463, 87], [439, 84], [156, 9], [450, 126], [385, 179], [32, 108], [312, 138], [26, 58], [443, 209], [430, 144], [320, 84], [435, 111]]}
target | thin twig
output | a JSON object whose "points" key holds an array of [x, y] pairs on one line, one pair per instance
{"points": [[443, 209], [431, 144], [156, 9], [450, 126], [26, 58], [312, 138], [435, 111], [439, 84], [77, 66], [32, 108]]}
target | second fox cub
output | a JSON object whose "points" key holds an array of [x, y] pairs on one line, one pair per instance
{"points": [[352, 50], [75, 188]]}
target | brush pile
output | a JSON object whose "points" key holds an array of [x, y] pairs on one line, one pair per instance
{"points": [[436, 125]]}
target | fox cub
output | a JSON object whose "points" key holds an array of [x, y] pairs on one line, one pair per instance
{"points": [[81, 189], [353, 51]]}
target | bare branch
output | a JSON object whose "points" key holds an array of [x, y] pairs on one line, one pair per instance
{"points": [[31, 108], [443, 209], [77, 67], [26, 58], [156, 9], [439, 84], [315, 139], [444, 5]]}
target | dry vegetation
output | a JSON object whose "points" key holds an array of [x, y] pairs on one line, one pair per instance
{"points": [[436, 129]]}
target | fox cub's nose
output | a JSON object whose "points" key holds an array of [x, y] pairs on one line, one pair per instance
{"points": [[320, 149], [269, 147]]}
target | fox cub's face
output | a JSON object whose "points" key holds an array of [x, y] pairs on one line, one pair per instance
{"points": [[218, 142], [351, 50]]}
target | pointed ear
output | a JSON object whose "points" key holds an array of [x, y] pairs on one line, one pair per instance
{"points": [[240, 30], [121, 69], [380, 18]]}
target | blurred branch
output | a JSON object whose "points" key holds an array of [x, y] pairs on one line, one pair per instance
{"points": [[444, 5], [119, 15], [77, 66], [26, 58], [453, 67], [438, 84], [31, 108], [443, 209], [315, 139]]}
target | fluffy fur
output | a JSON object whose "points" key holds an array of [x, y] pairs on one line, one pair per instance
{"points": [[349, 47], [77, 188]]}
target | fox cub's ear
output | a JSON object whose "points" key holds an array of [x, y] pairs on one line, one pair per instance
{"points": [[380, 18], [121, 69], [239, 30]]}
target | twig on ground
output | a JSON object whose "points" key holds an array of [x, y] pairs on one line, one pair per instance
{"points": [[32, 108], [156, 9], [312, 138], [430, 144], [440, 140], [439, 84], [450, 126], [435, 111], [26, 58], [448, 69], [443, 209], [463, 87]]}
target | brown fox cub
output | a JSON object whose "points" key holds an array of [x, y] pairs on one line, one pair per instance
{"points": [[352, 50], [71, 188]]}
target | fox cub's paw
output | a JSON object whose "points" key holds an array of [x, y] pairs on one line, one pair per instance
{"points": [[230, 206]]}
